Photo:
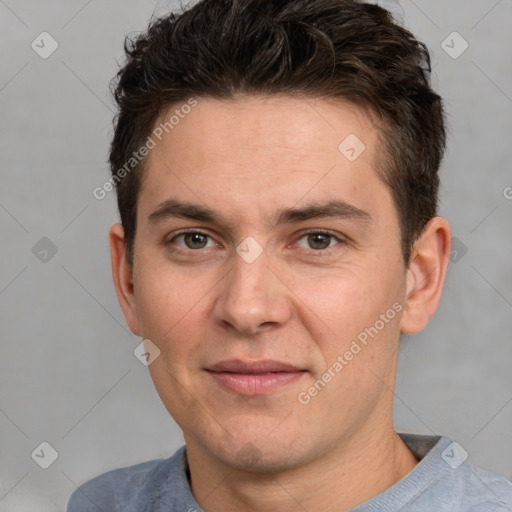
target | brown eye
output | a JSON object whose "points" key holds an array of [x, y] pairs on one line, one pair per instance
{"points": [[195, 240], [192, 240], [319, 241]]}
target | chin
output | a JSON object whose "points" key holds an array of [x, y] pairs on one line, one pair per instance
{"points": [[259, 454]]}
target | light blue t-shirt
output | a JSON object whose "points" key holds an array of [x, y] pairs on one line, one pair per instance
{"points": [[441, 482]]}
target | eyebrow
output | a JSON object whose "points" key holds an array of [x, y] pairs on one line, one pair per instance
{"points": [[173, 208]]}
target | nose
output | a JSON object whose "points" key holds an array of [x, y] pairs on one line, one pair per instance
{"points": [[252, 297]]}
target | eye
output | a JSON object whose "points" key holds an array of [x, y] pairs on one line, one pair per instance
{"points": [[192, 239], [319, 240]]}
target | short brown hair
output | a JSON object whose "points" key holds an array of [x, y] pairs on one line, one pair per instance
{"points": [[344, 49]]}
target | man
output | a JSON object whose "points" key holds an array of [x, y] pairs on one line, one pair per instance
{"points": [[276, 173]]}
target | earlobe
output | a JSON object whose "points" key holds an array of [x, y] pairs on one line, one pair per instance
{"points": [[426, 274], [123, 277]]}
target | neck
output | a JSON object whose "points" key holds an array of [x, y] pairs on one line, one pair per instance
{"points": [[360, 469]]}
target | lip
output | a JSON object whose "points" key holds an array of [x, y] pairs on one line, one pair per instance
{"points": [[254, 377]]}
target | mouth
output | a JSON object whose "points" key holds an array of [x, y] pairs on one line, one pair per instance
{"points": [[254, 377]]}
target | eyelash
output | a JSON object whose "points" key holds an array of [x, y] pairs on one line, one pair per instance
{"points": [[315, 252]]}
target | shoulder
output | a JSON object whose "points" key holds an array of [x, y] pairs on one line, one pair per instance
{"points": [[444, 480], [484, 491], [120, 488]]}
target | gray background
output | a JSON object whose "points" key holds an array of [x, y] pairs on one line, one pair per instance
{"points": [[68, 374]]}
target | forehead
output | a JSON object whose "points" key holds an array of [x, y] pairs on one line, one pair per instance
{"points": [[260, 152], [300, 125]]}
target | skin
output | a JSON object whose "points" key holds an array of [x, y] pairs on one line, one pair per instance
{"points": [[303, 301]]}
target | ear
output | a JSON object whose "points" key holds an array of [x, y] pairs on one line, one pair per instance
{"points": [[122, 274], [425, 275]]}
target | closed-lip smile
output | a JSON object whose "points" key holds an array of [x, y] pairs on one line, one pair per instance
{"points": [[260, 377]]}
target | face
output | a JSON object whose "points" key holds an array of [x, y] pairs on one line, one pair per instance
{"points": [[277, 313]]}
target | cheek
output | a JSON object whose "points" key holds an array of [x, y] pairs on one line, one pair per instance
{"points": [[356, 312], [164, 303], [347, 300]]}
